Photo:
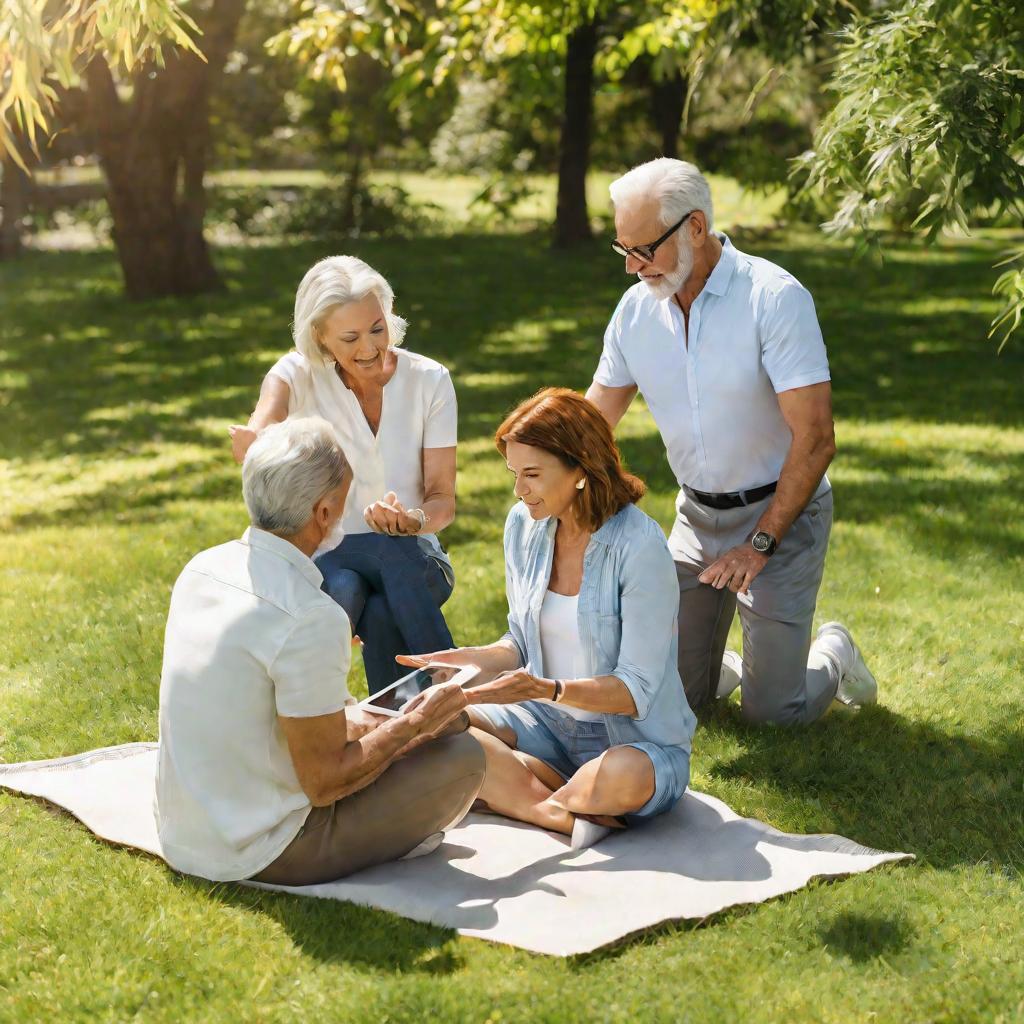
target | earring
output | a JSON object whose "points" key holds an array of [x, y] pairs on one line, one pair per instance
{"points": [[580, 484]]}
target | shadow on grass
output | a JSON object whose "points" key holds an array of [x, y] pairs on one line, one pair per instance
{"points": [[960, 800], [332, 931], [904, 339], [865, 937]]}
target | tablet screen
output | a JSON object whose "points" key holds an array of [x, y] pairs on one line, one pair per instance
{"points": [[401, 692]]}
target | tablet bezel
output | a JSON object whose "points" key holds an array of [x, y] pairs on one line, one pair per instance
{"points": [[464, 674]]}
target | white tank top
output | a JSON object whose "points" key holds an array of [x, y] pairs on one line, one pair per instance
{"points": [[560, 646]]}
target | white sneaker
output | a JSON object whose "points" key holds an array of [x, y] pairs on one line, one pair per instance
{"points": [[857, 686], [586, 833], [429, 845], [729, 675]]}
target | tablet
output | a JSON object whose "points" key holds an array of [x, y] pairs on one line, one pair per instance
{"points": [[393, 698]]}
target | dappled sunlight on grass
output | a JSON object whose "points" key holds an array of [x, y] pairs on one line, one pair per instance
{"points": [[115, 469]]}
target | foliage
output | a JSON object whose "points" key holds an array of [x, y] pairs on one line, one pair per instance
{"points": [[375, 209], [255, 111], [930, 113], [470, 140], [43, 47]]}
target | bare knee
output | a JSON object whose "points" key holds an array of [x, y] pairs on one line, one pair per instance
{"points": [[630, 775], [482, 723], [620, 781], [452, 756]]}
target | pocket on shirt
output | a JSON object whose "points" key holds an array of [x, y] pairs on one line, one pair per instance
{"points": [[608, 641]]}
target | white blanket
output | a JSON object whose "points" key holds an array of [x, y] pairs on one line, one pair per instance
{"points": [[501, 881]]}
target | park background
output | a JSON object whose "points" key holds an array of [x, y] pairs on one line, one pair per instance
{"points": [[158, 212]]}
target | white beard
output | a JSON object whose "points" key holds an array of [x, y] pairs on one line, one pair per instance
{"points": [[335, 535], [670, 283]]}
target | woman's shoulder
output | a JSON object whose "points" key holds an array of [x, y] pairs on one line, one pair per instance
{"points": [[420, 366], [633, 528], [292, 366]]}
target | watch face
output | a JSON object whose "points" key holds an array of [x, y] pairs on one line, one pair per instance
{"points": [[761, 541]]}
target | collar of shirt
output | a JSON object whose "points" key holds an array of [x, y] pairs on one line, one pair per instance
{"points": [[256, 538], [719, 278]]}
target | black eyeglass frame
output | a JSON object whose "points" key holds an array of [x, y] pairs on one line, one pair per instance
{"points": [[646, 252]]}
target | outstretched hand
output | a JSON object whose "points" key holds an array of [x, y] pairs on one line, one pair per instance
{"points": [[241, 440], [453, 656], [511, 688]]}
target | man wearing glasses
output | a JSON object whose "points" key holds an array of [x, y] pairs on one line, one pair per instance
{"points": [[727, 352]]}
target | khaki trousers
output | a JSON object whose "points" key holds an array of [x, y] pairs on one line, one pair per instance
{"points": [[427, 791], [782, 680]]}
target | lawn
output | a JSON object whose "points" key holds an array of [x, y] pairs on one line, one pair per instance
{"points": [[114, 471]]}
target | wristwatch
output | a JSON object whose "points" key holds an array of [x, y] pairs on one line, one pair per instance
{"points": [[764, 543]]}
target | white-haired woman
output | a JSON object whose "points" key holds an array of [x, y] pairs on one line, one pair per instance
{"points": [[396, 416]]}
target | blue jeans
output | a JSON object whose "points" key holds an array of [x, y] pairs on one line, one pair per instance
{"points": [[566, 744], [392, 591]]}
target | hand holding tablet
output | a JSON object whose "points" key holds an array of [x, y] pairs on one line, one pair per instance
{"points": [[408, 692]]}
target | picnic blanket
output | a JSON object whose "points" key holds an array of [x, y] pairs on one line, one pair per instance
{"points": [[499, 880]]}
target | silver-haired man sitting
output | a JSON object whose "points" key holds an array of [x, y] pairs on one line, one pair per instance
{"points": [[727, 351], [266, 770]]}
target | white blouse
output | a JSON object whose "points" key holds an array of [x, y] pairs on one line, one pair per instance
{"points": [[560, 646], [419, 411]]}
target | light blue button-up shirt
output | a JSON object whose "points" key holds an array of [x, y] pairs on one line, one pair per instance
{"points": [[628, 603], [753, 333]]}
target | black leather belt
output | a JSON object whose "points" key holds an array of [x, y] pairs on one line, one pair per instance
{"points": [[732, 499]]}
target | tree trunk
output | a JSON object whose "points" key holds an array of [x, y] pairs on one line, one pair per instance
{"points": [[572, 222], [14, 200], [152, 149], [668, 98]]}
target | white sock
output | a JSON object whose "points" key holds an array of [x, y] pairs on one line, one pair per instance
{"points": [[429, 845], [586, 833]]}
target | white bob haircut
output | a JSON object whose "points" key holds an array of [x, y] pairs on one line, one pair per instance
{"points": [[333, 282], [678, 186], [287, 470]]}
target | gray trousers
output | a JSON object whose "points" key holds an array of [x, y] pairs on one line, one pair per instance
{"points": [[778, 683], [427, 791]]}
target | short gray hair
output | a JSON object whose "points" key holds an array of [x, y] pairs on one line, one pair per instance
{"points": [[288, 469], [679, 187], [333, 282]]}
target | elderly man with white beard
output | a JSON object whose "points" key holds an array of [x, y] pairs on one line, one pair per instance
{"points": [[727, 352]]}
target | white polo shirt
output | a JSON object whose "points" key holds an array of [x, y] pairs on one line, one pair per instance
{"points": [[419, 411], [753, 333], [250, 636]]}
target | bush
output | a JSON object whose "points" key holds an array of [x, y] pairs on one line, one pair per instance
{"points": [[372, 210]]}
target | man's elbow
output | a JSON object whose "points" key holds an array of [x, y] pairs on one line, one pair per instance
{"points": [[821, 442], [827, 444], [319, 789], [317, 792]]}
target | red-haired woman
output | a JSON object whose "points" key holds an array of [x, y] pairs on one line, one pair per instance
{"points": [[584, 721]]}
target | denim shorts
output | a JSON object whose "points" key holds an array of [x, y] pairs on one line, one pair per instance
{"points": [[565, 744]]}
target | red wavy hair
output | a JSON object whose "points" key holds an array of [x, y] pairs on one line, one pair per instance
{"points": [[564, 423]]}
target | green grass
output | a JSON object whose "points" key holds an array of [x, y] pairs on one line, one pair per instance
{"points": [[453, 193], [114, 470]]}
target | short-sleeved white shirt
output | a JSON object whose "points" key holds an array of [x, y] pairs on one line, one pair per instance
{"points": [[250, 636], [753, 333], [419, 411]]}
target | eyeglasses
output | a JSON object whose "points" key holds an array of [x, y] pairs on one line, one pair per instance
{"points": [[646, 252]]}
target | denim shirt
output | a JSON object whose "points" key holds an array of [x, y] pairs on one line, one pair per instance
{"points": [[628, 605]]}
